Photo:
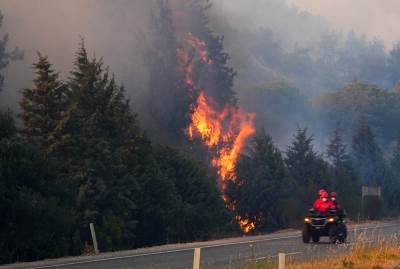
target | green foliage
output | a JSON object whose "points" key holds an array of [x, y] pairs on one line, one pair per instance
{"points": [[368, 157], [197, 193], [216, 79], [264, 192], [35, 224], [345, 180], [307, 168], [168, 99], [44, 105], [391, 188], [7, 125]]}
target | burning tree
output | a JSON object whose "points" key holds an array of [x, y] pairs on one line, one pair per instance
{"points": [[224, 131]]}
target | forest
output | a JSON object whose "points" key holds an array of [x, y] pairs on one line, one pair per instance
{"points": [[230, 131]]}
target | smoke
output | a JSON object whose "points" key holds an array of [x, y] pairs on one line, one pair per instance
{"points": [[271, 42], [115, 30], [373, 17]]}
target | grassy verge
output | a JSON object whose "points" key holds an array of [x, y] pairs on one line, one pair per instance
{"points": [[381, 256]]}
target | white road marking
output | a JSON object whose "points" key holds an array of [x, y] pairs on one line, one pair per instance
{"points": [[191, 249]]}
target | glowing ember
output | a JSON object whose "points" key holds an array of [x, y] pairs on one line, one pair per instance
{"points": [[223, 132]]}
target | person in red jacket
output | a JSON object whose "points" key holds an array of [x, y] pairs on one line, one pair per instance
{"points": [[321, 204], [332, 204]]}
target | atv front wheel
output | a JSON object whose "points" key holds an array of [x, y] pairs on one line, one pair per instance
{"points": [[332, 234], [315, 238], [306, 234]]}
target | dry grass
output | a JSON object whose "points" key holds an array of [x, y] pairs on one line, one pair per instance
{"points": [[382, 257], [384, 254]]}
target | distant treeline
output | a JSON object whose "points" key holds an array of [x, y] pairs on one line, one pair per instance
{"points": [[80, 156]]}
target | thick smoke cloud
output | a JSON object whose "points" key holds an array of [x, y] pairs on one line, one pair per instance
{"points": [[268, 41], [373, 17], [115, 30]]}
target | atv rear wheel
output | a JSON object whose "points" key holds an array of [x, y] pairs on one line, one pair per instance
{"points": [[306, 234]]}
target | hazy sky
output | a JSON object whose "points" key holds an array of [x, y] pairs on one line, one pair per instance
{"points": [[374, 17]]}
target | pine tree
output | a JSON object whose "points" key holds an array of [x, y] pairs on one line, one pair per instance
{"points": [[345, 180], [264, 192], [307, 167], [336, 151], [218, 78], [367, 156], [391, 187], [44, 105], [32, 211], [111, 164], [168, 100], [200, 208], [7, 125]]}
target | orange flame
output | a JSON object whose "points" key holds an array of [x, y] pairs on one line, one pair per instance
{"points": [[245, 224], [223, 132]]}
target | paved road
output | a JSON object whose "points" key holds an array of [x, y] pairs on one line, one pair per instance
{"points": [[220, 253]]}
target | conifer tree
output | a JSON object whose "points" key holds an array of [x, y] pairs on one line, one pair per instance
{"points": [[345, 180], [218, 78], [264, 192], [391, 187], [7, 125], [44, 105], [367, 156], [168, 99], [306, 166], [32, 212], [200, 208]]}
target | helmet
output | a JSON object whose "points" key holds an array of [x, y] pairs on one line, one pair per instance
{"points": [[322, 192], [324, 195], [333, 194]]}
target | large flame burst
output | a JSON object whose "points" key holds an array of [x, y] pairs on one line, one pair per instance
{"points": [[223, 131]]}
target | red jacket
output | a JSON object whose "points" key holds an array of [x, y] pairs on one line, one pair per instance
{"points": [[331, 204], [321, 205]]}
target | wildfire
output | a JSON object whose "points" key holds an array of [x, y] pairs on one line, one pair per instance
{"points": [[245, 224], [223, 131]]}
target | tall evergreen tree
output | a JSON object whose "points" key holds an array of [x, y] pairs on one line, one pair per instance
{"points": [[7, 123], [345, 180], [308, 168], [200, 210], [216, 79], [367, 155], [32, 212], [391, 188], [44, 105], [96, 140], [264, 192], [168, 100]]}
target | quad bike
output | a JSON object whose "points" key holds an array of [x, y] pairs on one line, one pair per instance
{"points": [[331, 224]]}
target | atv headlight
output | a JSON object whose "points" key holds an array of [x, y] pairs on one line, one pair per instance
{"points": [[331, 219], [307, 220]]}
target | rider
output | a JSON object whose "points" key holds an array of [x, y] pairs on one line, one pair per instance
{"points": [[321, 204], [336, 205], [333, 201]]}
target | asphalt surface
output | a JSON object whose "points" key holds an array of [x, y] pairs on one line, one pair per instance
{"points": [[223, 253]]}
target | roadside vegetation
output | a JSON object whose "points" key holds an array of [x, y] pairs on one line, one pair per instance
{"points": [[384, 255]]}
